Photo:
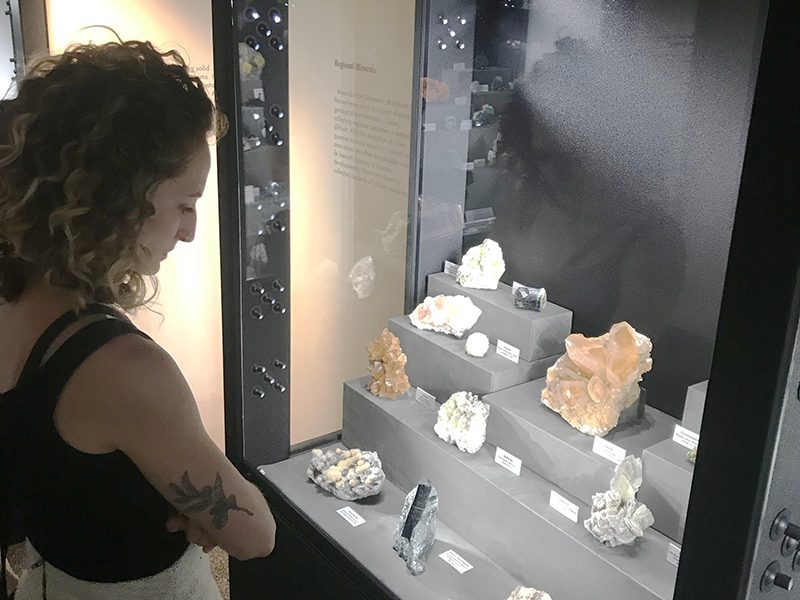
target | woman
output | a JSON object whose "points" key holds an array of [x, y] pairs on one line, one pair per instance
{"points": [[104, 155]]}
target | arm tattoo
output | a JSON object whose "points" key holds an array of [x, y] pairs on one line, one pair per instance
{"points": [[188, 498]]}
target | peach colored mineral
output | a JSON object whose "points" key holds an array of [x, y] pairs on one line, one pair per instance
{"points": [[598, 378], [387, 365]]}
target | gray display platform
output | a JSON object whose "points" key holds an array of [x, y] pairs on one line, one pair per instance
{"points": [[695, 404], [537, 334], [453, 370], [370, 543], [667, 486], [548, 445], [507, 517]]}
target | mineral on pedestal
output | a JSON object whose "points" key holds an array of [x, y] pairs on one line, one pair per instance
{"points": [[387, 365], [618, 518], [598, 378], [692, 456], [482, 266], [526, 593], [477, 344], [462, 421], [529, 298], [452, 315], [416, 531], [347, 474]]}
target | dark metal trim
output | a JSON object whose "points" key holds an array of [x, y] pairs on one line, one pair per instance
{"points": [[757, 325]]}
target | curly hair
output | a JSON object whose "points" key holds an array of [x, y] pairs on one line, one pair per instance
{"points": [[89, 134]]}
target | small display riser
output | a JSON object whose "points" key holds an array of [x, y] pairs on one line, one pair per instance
{"points": [[667, 485], [507, 517], [438, 364], [695, 404], [520, 424], [537, 334]]}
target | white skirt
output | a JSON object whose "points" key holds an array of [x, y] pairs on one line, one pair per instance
{"points": [[189, 578]]}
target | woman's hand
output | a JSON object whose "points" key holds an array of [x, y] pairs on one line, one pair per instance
{"points": [[194, 533]]}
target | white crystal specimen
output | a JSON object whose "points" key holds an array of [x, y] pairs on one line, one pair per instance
{"points": [[362, 277], [462, 421], [452, 315], [618, 518], [477, 344], [482, 266], [347, 474], [526, 593]]}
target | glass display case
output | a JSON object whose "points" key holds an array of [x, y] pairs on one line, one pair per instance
{"points": [[505, 345]]}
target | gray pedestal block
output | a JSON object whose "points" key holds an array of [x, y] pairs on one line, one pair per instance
{"points": [[370, 543], [537, 334], [695, 403], [438, 364], [548, 445], [506, 517], [667, 486]]}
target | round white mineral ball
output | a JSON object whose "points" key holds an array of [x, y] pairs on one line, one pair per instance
{"points": [[477, 344]]}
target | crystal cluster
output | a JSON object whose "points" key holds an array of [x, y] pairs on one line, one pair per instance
{"points": [[485, 116], [387, 365], [526, 593], [618, 518], [347, 474], [529, 298], [598, 378], [462, 421], [452, 315], [416, 531], [692, 456], [362, 277], [482, 266], [477, 344]]}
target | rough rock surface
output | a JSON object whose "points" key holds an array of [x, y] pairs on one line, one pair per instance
{"points": [[462, 421], [347, 474], [362, 277], [618, 518], [598, 378], [415, 533], [387, 365], [526, 593], [452, 315], [477, 344], [482, 266]]}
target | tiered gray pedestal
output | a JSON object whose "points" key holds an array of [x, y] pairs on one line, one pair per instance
{"points": [[694, 406]]}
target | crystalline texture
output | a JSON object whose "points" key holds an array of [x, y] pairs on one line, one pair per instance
{"points": [[416, 531], [462, 421], [526, 593], [482, 266], [618, 518], [452, 315], [387, 365], [362, 277], [347, 474], [529, 298], [598, 378]]}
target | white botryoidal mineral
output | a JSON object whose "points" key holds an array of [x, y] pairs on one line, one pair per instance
{"points": [[477, 344], [526, 593], [347, 474], [482, 266], [618, 518], [452, 315], [462, 421]]}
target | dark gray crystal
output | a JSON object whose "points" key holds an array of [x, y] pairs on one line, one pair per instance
{"points": [[529, 298], [415, 533]]}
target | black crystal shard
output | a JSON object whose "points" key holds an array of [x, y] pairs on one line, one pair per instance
{"points": [[416, 510]]}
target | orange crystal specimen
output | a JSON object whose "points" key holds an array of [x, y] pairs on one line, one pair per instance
{"points": [[387, 365]]}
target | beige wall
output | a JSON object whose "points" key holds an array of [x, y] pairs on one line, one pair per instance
{"points": [[190, 328]]}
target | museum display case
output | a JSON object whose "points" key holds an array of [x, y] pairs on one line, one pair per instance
{"points": [[526, 327]]}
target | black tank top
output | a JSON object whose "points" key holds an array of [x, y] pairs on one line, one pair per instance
{"points": [[94, 516]]}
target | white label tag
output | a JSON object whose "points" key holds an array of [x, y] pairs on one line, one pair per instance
{"points": [[608, 450], [466, 125], [459, 66], [469, 166], [351, 516], [480, 162], [461, 101], [684, 437], [674, 554], [450, 268], [483, 88], [426, 399], [249, 195], [508, 351], [564, 506], [508, 461], [452, 558], [429, 127], [258, 94]]}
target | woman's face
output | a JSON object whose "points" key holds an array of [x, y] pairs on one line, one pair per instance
{"points": [[175, 217]]}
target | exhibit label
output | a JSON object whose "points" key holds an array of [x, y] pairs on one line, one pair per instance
{"points": [[608, 450], [508, 351], [454, 559], [684, 437], [563, 506], [351, 516], [508, 461], [674, 554], [426, 399], [450, 268]]}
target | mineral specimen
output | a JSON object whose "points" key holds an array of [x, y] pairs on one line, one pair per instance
{"points": [[462, 421], [692, 456], [526, 593], [598, 378], [452, 315], [529, 298], [362, 277], [416, 531], [618, 518], [482, 266], [387, 365], [485, 116], [477, 344], [347, 474]]}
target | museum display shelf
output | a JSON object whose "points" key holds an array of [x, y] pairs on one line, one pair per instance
{"points": [[693, 408], [667, 486]]}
